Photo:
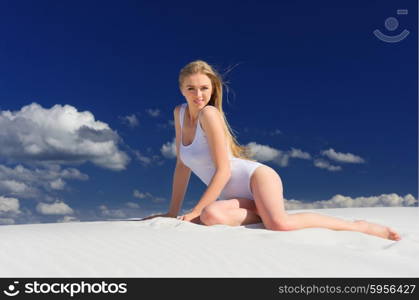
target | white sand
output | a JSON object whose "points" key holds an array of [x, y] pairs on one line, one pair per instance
{"points": [[167, 247]]}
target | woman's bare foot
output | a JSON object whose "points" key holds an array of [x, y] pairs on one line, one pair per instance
{"points": [[378, 230]]}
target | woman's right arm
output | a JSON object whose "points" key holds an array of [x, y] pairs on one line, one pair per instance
{"points": [[182, 173], [180, 177]]}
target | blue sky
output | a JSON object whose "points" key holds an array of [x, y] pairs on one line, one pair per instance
{"points": [[87, 91]]}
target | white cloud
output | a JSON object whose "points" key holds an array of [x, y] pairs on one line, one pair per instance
{"points": [[131, 120], [340, 201], [266, 153], [13, 187], [9, 205], [7, 221], [113, 213], [322, 164], [35, 182], [132, 205], [259, 152], [147, 160], [343, 157], [153, 112], [140, 195], [57, 184], [60, 134], [11, 212], [262, 152], [297, 153], [142, 158], [58, 208], [168, 150], [68, 219]]}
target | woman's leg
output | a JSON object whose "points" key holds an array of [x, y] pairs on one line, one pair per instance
{"points": [[233, 212], [268, 194]]}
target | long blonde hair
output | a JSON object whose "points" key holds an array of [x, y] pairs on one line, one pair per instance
{"points": [[202, 67]]}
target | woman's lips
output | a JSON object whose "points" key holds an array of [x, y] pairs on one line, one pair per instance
{"points": [[198, 101]]}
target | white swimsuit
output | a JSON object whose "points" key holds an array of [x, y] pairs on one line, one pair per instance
{"points": [[197, 157]]}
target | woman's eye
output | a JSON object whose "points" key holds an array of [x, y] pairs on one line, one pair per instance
{"points": [[205, 88]]}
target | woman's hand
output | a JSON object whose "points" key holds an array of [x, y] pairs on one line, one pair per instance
{"points": [[166, 215], [192, 216]]}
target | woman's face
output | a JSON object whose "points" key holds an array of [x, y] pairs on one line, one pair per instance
{"points": [[197, 90]]}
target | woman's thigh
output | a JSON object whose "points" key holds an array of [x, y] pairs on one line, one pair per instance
{"points": [[267, 191], [235, 203]]}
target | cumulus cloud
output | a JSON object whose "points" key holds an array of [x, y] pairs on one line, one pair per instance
{"points": [[131, 120], [13, 187], [147, 160], [57, 184], [259, 152], [132, 205], [60, 134], [11, 212], [168, 150], [323, 164], [68, 219], [57, 208], [153, 112], [7, 221], [9, 205], [143, 159], [142, 195], [264, 153], [343, 157], [35, 182], [297, 153], [340, 201], [113, 213], [16, 214]]}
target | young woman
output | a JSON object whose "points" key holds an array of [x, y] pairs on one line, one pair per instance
{"points": [[250, 192]]}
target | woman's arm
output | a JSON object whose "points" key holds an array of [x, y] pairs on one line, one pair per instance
{"points": [[180, 184], [214, 129], [181, 175]]}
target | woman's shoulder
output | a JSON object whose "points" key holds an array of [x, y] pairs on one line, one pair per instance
{"points": [[210, 115], [210, 111], [178, 107]]}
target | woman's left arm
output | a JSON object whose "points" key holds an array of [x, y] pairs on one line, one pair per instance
{"points": [[213, 126]]}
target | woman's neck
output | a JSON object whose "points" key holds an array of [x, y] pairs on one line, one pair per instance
{"points": [[193, 116]]}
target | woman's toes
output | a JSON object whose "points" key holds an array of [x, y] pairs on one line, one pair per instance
{"points": [[393, 235], [378, 230]]}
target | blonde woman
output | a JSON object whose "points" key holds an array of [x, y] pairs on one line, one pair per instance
{"points": [[239, 190]]}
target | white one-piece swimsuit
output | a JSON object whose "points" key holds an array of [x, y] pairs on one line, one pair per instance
{"points": [[197, 157]]}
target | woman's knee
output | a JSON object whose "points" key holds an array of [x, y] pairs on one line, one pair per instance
{"points": [[280, 224], [211, 215]]}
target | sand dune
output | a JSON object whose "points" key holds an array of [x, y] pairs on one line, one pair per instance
{"points": [[167, 247]]}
